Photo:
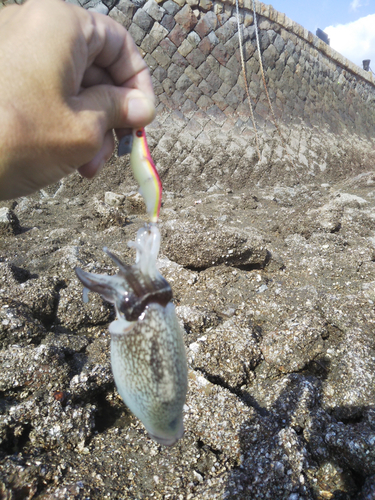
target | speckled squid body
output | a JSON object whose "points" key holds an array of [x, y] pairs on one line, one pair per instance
{"points": [[147, 349]]}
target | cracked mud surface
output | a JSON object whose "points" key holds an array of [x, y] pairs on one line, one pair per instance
{"points": [[274, 284]]}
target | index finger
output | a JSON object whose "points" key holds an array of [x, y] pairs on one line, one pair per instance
{"points": [[112, 48]]}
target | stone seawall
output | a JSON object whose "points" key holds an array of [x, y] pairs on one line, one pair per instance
{"points": [[193, 53], [324, 104]]}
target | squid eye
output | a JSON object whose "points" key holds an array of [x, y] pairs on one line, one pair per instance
{"points": [[139, 133]]}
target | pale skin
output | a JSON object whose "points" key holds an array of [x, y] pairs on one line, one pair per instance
{"points": [[69, 77]]}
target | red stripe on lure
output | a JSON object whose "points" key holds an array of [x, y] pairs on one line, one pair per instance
{"points": [[145, 173]]}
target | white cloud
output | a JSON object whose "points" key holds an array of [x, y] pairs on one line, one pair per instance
{"points": [[356, 40], [356, 4]]}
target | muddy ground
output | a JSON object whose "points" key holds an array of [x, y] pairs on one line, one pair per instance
{"points": [[273, 273]]}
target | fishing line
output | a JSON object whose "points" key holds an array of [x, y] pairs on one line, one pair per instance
{"points": [[245, 80]]}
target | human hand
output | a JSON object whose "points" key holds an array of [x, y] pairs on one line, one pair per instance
{"points": [[68, 78]]}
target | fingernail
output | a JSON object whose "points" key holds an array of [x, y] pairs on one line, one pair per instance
{"points": [[140, 110]]}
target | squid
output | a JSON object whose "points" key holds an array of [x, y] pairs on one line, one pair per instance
{"points": [[147, 349]]}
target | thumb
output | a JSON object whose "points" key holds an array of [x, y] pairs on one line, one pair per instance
{"points": [[117, 107]]}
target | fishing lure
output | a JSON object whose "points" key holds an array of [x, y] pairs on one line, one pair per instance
{"points": [[144, 170], [147, 348]]}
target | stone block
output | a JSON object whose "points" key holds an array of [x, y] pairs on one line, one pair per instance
{"points": [[264, 41], [243, 111], [193, 93], [270, 56], [166, 101], [221, 54], [225, 89], [154, 10], [168, 22], [279, 44], [204, 69], [280, 18], [234, 65], [158, 32], [290, 47], [201, 117], [177, 35], [143, 20], [232, 99], [192, 3], [213, 38], [214, 81], [216, 115], [193, 38], [150, 61], [232, 45], [181, 3], [262, 110], [222, 18], [136, 33], [220, 101], [193, 74], [229, 112], [160, 74], [168, 46], [186, 18], [206, 46], [248, 49], [227, 76], [271, 35], [214, 64], [196, 57], [127, 8], [178, 98], [149, 44], [265, 10], [168, 86], [193, 127], [225, 32], [248, 19], [206, 24], [205, 5], [175, 71], [183, 83], [179, 60], [288, 23], [264, 24], [251, 32], [171, 7], [189, 108], [185, 48], [228, 10], [158, 88], [120, 17], [239, 92], [204, 102], [206, 88], [218, 8], [161, 57], [291, 63]]}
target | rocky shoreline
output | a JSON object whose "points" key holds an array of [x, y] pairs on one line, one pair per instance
{"points": [[274, 285]]}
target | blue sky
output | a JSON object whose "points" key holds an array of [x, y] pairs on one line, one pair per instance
{"points": [[350, 24]]}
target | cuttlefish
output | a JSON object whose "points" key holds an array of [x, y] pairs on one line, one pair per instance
{"points": [[147, 349]]}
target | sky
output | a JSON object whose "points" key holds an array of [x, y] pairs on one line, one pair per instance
{"points": [[350, 24]]}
